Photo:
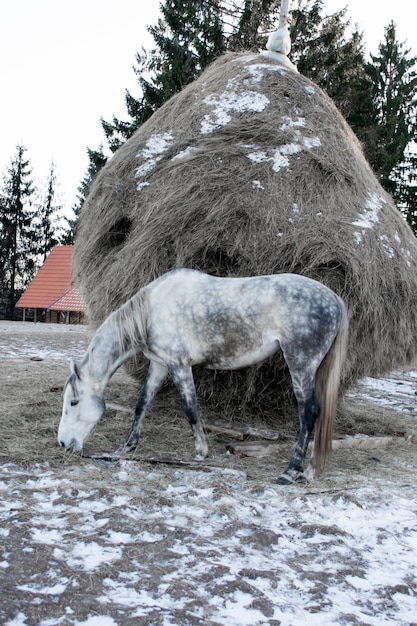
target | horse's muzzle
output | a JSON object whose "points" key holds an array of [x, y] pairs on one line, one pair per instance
{"points": [[70, 444]]}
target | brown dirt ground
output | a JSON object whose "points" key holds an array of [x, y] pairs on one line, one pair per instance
{"points": [[31, 397], [31, 401]]}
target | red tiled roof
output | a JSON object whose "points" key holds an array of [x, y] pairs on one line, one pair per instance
{"points": [[52, 281], [70, 301]]}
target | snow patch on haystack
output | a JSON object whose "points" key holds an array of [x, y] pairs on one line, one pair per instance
{"points": [[228, 103], [184, 153], [257, 71], [153, 151], [370, 216]]}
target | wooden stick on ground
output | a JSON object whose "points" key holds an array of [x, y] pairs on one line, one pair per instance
{"points": [[240, 431]]}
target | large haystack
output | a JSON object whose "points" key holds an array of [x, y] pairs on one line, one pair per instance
{"points": [[252, 170]]}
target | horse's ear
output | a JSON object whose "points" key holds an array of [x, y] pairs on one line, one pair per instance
{"points": [[74, 369]]}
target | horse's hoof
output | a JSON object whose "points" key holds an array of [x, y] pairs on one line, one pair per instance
{"points": [[122, 451], [284, 480], [301, 479]]}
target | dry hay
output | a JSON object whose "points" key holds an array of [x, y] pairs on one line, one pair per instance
{"points": [[252, 170]]}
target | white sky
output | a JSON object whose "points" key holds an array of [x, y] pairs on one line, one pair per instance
{"points": [[64, 64]]}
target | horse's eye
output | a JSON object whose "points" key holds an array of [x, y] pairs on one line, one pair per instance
{"points": [[74, 402]]}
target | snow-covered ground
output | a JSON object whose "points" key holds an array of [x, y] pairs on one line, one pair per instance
{"points": [[96, 544], [395, 391], [133, 545]]}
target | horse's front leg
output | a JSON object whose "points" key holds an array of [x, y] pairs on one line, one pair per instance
{"points": [[156, 375], [184, 382]]}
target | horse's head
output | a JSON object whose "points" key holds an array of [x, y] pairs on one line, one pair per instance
{"points": [[82, 408]]}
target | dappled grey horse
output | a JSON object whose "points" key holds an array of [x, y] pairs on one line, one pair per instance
{"points": [[187, 318]]}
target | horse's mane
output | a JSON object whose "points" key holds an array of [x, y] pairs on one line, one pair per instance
{"points": [[130, 322]]}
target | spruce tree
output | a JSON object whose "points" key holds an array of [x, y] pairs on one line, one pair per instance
{"points": [[47, 216], [247, 23], [324, 50], [406, 186], [19, 237], [393, 108], [188, 36]]}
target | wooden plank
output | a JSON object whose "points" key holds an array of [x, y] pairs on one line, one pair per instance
{"points": [[222, 430], [260, 449], [118, 407], [256, 449], [237, 430], [365, 442]]}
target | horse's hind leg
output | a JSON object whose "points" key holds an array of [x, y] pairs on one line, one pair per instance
{"points": [[308, 408], [154, 379], [184, 382]]}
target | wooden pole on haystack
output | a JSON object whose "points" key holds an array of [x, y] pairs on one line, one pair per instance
{"points": [[283, 15], [279, 42]]}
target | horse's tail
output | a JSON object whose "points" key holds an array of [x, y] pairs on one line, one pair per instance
{"points": [[327, 386]]}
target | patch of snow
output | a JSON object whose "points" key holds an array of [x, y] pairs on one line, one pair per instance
{"points": [[309, 89], [148, 537], [227, 103], [369, 216], [19, 620], [54, 590], [87, 556], [256, 184], [27, 344], [141, 186], [184, 153], [278, 156], [47, 536], [258, 157], [389, 251], [119, 537], [257, 70], [97, 620], [311, 142], [153, 152], [407, 255], [292, 123], [396, 392]]}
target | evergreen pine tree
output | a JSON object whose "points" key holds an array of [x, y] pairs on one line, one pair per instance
{"points": [[18, 236], [47, 216], [326, 52], [406, 186], [394, 108], [188, 36], [247, 23]]}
